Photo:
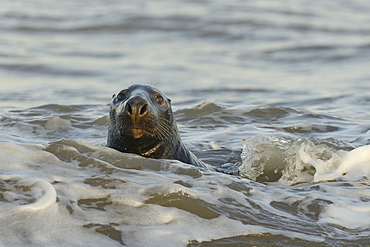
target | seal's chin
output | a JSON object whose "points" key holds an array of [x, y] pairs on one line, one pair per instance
{"points": [[137, 133]]}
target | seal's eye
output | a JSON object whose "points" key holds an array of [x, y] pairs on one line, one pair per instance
{"points": [[121, 95], [159, 99]]}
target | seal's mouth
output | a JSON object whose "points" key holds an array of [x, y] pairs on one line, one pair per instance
{"points": [[137, 133]]}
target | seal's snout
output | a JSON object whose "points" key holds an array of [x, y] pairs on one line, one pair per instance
{"points": [[136, 108]]}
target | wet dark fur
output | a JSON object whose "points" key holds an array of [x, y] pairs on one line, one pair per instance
{"points": [[161, 139]]}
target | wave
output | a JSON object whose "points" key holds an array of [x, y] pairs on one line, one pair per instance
{"points": [[303, 161], [99, 196]]}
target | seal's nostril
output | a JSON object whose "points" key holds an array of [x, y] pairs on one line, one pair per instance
{"points": [[128, 109], [143, 109]]}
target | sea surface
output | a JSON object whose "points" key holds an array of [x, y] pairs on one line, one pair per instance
{"points": [[276, 94]]}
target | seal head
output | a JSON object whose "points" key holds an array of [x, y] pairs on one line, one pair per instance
{"points": [[141, 121]]}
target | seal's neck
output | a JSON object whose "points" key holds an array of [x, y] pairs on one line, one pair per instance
{"points": [[145, 146]]}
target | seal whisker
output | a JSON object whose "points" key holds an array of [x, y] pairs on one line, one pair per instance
{"points": [[165, 123], [158, 134], [165, 129], [161, 132]]}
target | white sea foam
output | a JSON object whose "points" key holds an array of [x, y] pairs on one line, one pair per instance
{"points": [[350, 215], [351, 166], [30, 214], [45, 222], [20, 190], [43, 191], [98, 197]]}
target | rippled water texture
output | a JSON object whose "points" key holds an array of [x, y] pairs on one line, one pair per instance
{"points": [[273, 94]]}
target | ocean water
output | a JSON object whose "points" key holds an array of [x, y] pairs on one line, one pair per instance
{"points": [[274, 93]]}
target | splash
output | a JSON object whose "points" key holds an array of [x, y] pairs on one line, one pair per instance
{"points": [[348, 166], [302, 161]]}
